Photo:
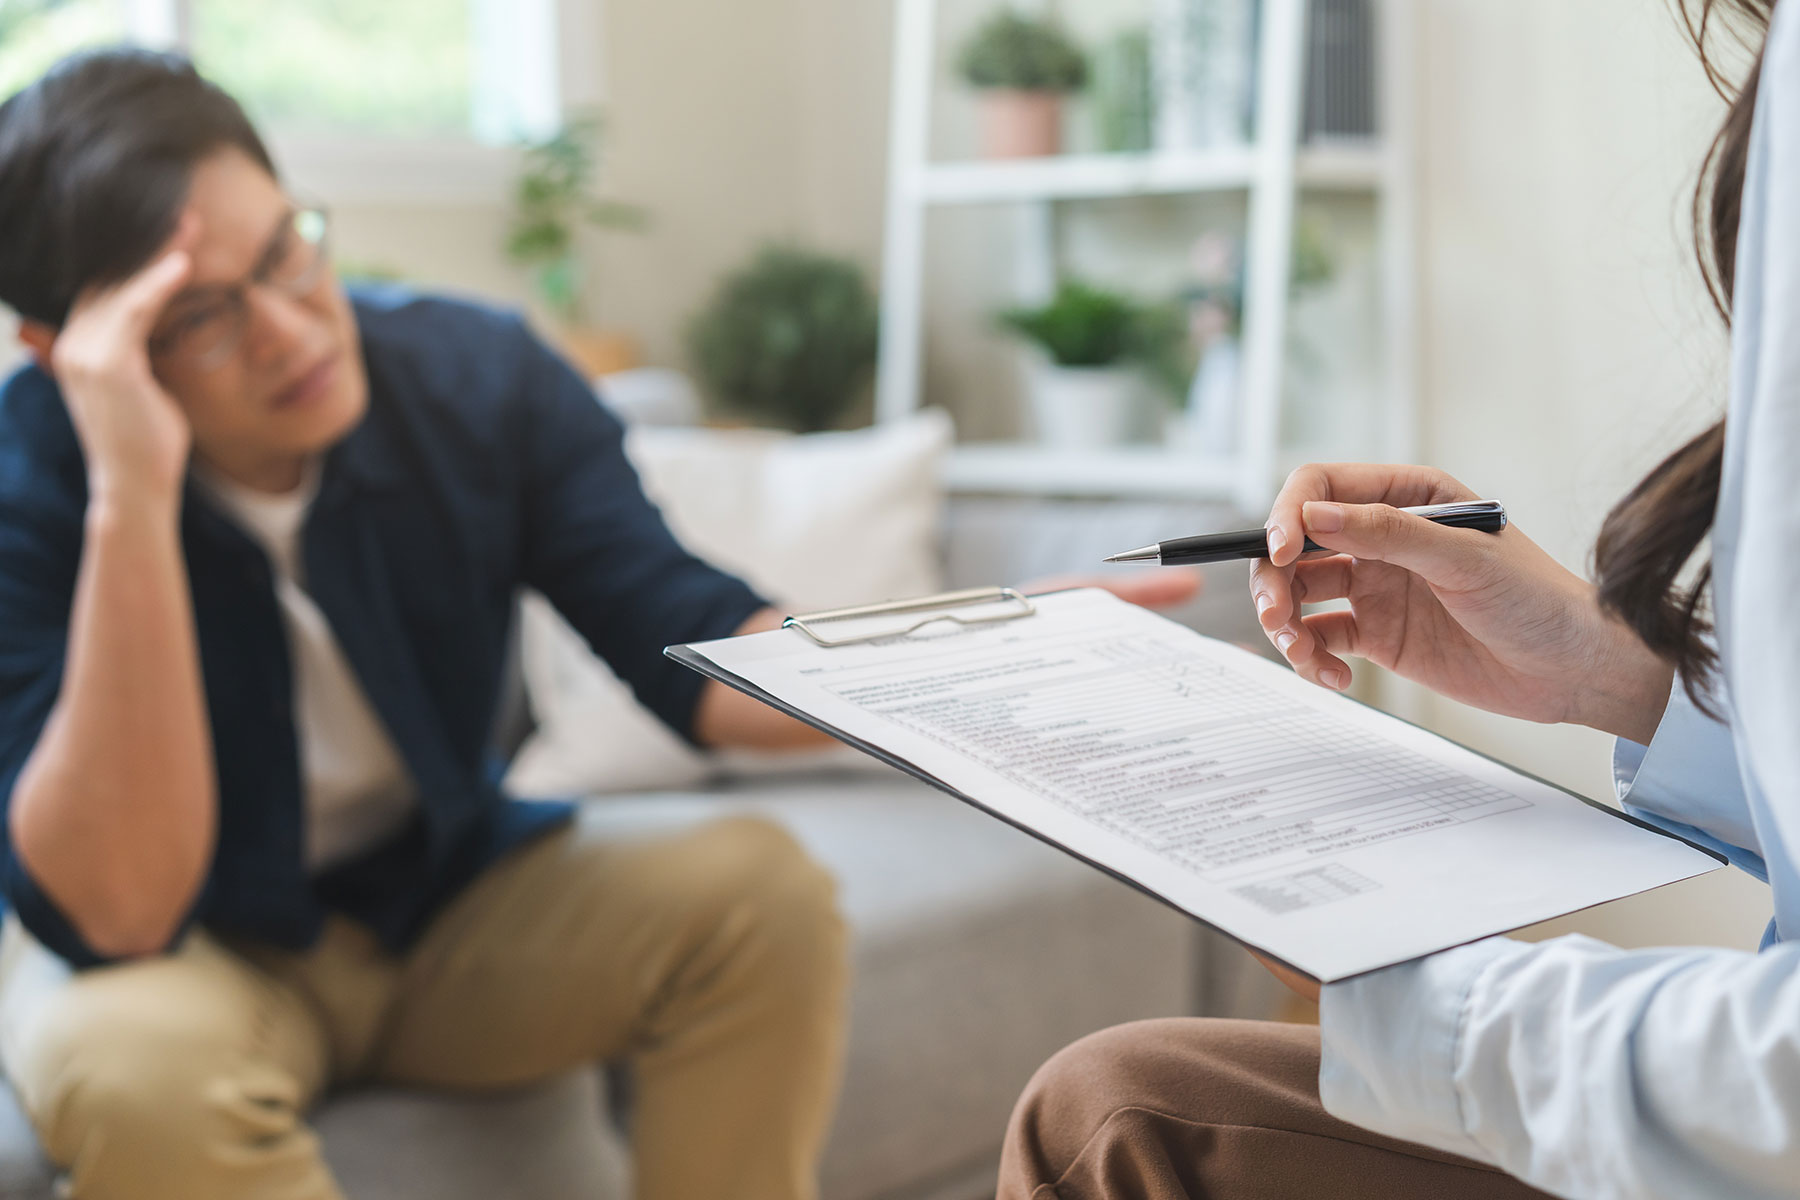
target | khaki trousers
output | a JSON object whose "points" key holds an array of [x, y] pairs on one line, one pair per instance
{"points": [[713, 957], [1225, 1110]]}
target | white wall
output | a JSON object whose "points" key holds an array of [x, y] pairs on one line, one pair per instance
{"points": [[1567, 344]]}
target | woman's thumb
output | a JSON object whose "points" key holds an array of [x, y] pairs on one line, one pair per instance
{"points": [[1387, 534]]}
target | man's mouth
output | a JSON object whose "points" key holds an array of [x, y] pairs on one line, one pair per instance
{"points": [[309, 385]]}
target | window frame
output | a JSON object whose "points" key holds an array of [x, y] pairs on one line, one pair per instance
{"points": [[440, 171]]}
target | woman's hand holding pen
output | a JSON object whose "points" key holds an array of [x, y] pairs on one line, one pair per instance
{"points": [[1487, 619]]}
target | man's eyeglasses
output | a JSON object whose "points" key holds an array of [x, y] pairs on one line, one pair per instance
{"points": [[204, 327]]}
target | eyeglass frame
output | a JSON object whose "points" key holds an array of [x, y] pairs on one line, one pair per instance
{"points": [[236, 296]]}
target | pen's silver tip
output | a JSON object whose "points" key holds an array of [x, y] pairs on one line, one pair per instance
{"points": [[1141, 554]]}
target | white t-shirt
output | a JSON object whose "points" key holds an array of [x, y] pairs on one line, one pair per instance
{"points": [[356, 787]]}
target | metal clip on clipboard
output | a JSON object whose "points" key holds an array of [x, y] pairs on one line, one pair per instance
{"points": [[938, 605]]}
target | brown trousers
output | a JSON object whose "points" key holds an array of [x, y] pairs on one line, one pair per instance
{"points": [[713, 957], [1212, 1110]]}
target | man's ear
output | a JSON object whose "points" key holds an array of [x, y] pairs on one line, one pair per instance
{"points": [[37, 337]]}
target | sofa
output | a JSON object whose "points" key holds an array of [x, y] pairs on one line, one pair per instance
{"points": [[977, 951]]}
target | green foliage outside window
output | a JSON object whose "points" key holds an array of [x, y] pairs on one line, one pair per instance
{"points": [[396, 67], [35, 33]]}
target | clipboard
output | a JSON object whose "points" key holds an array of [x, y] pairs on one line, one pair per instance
{"points": [[941, 607], [1011, 604], [900, 619], [886, 632]]}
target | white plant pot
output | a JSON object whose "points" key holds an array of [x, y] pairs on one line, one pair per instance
{"points": [[1079, 408]]}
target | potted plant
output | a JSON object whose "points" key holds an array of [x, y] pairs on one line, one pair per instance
{"points": [[1023, 67], [1086, 389], [552, 202], [789, 340]]}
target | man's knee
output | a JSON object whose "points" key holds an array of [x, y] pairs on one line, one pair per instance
{"points": [[132, 1089], [755, 864], [126, 1084]]}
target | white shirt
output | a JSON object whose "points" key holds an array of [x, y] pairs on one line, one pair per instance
{"points": [[356, 787], [1595, 1072]]}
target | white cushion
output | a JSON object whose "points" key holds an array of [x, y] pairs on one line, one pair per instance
{"points": [[811, 521]]}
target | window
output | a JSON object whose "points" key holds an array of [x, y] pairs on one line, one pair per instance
{"points": [[35, 33], [400, 100], [397, 68]]}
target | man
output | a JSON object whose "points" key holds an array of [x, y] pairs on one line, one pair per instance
{"points": [[258, 551], [259, 547]]}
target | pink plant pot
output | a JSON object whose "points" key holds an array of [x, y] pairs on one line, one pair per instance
{"points": [[1017, 124]]}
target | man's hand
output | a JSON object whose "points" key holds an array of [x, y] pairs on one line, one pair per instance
{"points": [[1155, 587], [135, 437], [726, 718]]}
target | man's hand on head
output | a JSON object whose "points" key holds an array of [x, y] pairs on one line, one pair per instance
{"points": [[133, 433]]}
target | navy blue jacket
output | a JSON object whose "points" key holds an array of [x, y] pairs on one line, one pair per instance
{"points": [[484, 466]]}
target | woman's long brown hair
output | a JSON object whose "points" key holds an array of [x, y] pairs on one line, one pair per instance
{"points": [[1652, 534]]}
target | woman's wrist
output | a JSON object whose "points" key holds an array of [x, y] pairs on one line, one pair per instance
{"points": [[1628, 690]]}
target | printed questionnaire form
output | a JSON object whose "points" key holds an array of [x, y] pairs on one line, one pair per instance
{"points": [[1325, 833]]}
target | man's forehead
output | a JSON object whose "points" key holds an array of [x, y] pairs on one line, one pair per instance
{"points": [[239, 207]]}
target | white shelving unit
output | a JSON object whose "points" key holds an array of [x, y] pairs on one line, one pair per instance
{"points": [[1269, 171]]}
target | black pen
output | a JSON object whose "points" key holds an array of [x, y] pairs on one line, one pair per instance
{"points": [[1489, 516]]}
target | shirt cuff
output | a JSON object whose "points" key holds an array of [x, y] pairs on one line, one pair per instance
{"points": [[1687, 782], [1680, 720], [1391, 1040], [40, 915]]}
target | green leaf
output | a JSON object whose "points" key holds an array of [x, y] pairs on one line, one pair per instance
{"points": [[552, 201], [1011, 50], [1082, 326]]}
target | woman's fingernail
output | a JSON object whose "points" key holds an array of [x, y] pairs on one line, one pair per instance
{"points": [[1264, 602], [1322, 516], [1332, 678], [1277, 540], [1285, 639]]}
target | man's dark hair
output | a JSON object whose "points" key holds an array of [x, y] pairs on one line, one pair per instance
{"points": [[95, 162]]}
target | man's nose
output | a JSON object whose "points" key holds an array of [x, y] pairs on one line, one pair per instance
{"points": [[274, 323]]}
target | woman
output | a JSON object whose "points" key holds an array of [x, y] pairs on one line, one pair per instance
{"points": [[1501, 1068]]}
